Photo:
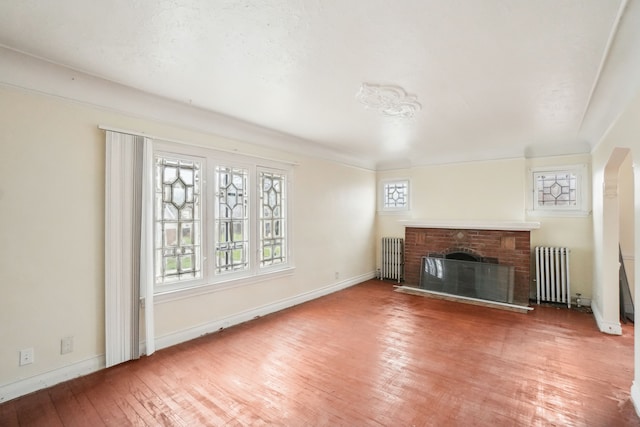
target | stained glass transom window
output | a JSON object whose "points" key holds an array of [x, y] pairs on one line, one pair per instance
{"points": [[556, 189], [232, 219], [396, 194], [272, 218], [177, 235]]}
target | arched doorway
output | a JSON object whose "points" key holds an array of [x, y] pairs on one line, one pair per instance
{"points": [[618, 188]]}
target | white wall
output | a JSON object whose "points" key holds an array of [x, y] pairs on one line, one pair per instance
{"points": [[625, 134], [52, 235], [493, 191], [627, 226]]}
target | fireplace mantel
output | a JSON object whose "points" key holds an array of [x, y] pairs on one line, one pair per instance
{"points": [[472, 225]]}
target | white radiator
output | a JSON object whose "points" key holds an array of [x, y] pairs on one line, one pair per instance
{"points": [[392, 258], [552, 275]]}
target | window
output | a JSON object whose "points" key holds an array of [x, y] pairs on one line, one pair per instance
{"points": [[232, 219], [394, 195], [556, 189], [272, 218], [559, 191], [210, 226], [177, 220]]}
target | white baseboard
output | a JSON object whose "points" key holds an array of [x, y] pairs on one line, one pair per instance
{"points": [[50, 378], [613, 328], [207, 328]]}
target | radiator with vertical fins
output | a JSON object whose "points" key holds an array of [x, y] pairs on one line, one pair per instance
{"points": [[392, 258], [552, 275]]}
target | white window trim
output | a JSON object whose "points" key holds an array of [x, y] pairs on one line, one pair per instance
{"points": [[211, 282], [208, 288], [393, 211], [583, 207]]}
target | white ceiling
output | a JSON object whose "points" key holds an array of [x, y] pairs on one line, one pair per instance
{"points": [[493, 78]]}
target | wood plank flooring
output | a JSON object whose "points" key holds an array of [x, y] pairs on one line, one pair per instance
{"points": [[365, 356]]}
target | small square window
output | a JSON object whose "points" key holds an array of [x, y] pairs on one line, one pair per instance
{"points": [[395, 195], [558, 191], [558, 188]]}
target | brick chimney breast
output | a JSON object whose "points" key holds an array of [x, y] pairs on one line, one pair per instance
{"points": [[511, 248]]}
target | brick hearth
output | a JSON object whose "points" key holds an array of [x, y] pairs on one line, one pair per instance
{"points": [[512, 248]]}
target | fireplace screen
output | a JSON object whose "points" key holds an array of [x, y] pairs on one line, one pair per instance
{"points": [[470, 279]]}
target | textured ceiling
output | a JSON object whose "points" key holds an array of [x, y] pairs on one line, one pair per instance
{"points": [[490, 79]]}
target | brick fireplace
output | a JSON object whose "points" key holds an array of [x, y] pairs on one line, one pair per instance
{"points": [[510, 246]]}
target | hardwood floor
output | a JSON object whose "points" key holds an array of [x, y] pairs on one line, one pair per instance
{"points": [[365, 356]]}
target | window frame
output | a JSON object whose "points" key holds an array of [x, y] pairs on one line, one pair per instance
{"points": [[382, 189], [211, 280], [583, 191]]}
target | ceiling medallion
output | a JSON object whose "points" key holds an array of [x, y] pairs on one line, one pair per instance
{"points": [[392, 101]]}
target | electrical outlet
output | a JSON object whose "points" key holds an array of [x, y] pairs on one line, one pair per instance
{"points": [[66, 345], [26, 356], [337, 275]]}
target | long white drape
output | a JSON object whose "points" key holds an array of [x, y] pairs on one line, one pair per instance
{"points": [[128, 257]]}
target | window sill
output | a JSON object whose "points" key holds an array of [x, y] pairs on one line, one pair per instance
{"points": [[177, 294], [394, 212], [559, 213]]}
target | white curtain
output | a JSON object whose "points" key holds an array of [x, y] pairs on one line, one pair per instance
{"points": [[128, 256]]}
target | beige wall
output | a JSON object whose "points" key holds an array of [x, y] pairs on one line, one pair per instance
{"points": [[466, 191], [333, 233], [576, 234], [493, 191], [52, 231], [52, 227], [624, 134]]}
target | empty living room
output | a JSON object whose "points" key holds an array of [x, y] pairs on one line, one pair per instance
{"points": [[311, 213]]}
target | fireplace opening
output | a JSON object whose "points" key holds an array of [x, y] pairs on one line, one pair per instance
{"points": [[463, 256], [467, 275]]}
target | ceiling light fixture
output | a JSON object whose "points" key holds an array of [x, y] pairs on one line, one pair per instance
{"points": [[392, 101]]}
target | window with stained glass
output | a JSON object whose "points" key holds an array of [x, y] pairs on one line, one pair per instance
{"points": [[556, 189], [394, 195], [231, 220], [219, 219], [560, 191], [177, 220], [272, 218]]}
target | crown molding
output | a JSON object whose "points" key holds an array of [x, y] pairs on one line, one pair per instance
{"points": [[38, 75]]}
